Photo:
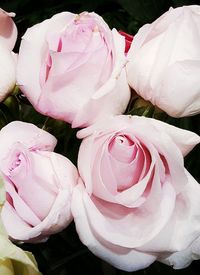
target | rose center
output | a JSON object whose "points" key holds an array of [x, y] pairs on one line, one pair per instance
{"points": [[129, 160], [81, 43], [15, 163], [122, 148]]}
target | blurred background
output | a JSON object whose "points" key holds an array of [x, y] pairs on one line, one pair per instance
{"points": [[63, 253]]}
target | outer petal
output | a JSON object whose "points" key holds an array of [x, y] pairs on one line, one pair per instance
{"points": [[32, 53], [26, 133], [184, 140], [111, 125], [183, 258], [19, 230], [184, 225], [187, 81], [7, 71], [14, 225], [22, 209], [122, 258], [115, 224], [8, 30], [117, 92]]}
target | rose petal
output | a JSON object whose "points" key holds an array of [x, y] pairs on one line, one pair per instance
{"points": [[7, 71], [21, 208], [28, 134], [122, 258], [8, 29], [184, 225]]}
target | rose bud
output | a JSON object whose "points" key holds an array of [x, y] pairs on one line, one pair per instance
{"points": [[71, 67], [164, 62], [38, 183]]}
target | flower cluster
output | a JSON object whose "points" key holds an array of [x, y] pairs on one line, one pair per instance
{"points": [[131, 198]]}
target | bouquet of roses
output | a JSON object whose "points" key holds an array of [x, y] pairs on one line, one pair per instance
{"points": [[92, 130]]}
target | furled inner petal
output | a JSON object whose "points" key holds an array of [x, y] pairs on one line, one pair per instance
{"points": [[104, 184], [129, 160], [123, 148], [16, 163], [137, 194], [78, 44], [125, 181]]}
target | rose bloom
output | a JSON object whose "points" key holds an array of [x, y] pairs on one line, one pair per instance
{"points": [[8, 36], [71, 67], [38, 183], [164, 62], [135, 202]]}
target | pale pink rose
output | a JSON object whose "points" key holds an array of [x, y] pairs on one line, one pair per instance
{"points": [[135, 202], [164, 62], [38, 183], [71, 67], [183, 258], [8, 36], [8, 29]]}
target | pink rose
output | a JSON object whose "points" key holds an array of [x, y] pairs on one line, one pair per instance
{"points": [[164, 62], [8, 29], [8, 36], [135, 202], [38, 183], [71, 67]]}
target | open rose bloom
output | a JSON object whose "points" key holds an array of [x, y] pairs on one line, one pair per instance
{"points": [[38, 183], [135, 202], [74, 68], [8, 36], [164, 62]]}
